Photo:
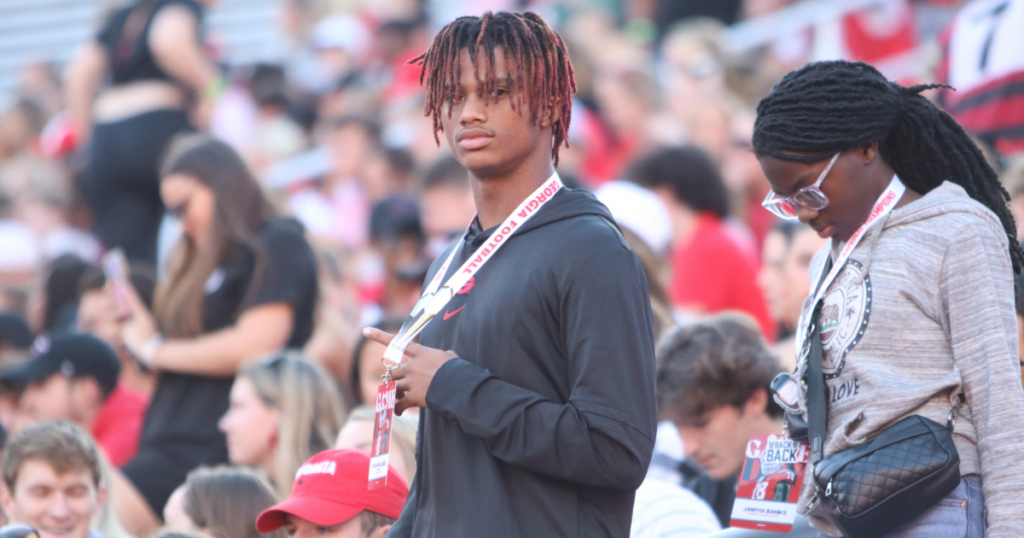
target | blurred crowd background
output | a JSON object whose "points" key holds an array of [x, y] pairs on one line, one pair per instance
{"points": [[317, 99]]}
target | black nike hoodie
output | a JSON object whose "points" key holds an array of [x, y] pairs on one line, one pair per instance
{"points": [[545, 424]]}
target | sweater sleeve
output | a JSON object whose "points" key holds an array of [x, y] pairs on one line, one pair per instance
{"points": [[604, 434], [977, 291]]}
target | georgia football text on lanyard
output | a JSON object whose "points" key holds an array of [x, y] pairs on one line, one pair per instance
{"points": [[434, 299], [885, 203]]}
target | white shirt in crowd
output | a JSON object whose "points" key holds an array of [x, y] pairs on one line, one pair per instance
{"points": [[662, 507], [663, 510]]}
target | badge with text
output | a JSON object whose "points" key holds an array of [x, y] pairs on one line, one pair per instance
{"points": [[382, 435], [769, 486]]}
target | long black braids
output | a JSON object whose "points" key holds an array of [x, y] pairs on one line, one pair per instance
{"points": [[826, 107], [531, 49]]}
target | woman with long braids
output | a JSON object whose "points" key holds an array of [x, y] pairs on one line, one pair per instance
{"points": [[914, 294]]}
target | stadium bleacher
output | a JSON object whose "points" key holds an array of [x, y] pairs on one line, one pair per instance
{"points": [[51, 30]]}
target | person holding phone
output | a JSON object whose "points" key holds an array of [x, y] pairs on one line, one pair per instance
{"points": [[241, 284], [100, 314]]}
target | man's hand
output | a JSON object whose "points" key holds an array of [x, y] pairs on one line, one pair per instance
{"points": [[414, 375]]}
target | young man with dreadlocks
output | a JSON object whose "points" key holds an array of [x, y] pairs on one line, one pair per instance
{"points": [[540, 420], [919, 306]]}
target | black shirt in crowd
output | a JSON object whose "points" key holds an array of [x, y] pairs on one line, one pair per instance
{"points": [[545, 424], [121, 184], [181, 423], [125, 38]]}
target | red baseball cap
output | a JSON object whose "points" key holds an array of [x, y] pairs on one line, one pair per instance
{"points": [[331, 488]]}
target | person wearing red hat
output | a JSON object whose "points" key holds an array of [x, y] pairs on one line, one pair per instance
{"points": [[330, 499]]}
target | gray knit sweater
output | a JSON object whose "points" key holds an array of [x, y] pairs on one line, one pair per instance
{"points": [[924, 309]]}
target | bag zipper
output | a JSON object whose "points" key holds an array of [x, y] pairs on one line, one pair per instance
{"points": [[812, 503]]}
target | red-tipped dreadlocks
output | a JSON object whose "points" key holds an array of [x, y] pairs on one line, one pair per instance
{"points": [[531, 48]]}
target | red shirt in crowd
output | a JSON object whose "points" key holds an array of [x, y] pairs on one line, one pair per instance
{"points": [[711, 273], [118, 425], [607, 156]]}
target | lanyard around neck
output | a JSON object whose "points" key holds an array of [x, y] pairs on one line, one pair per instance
{"points": [[435, 296], [883, 206]]}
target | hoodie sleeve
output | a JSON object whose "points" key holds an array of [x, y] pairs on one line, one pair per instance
{"points": [[402, 528], [604, 434], [977, 291]]}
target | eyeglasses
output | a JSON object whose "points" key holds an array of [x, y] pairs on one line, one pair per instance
{"points": [[810, 197], [18, 531]]}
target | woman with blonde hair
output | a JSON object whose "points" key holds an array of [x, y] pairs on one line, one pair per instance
{"points": [[239, 285], [283, 411], [357, 434]]}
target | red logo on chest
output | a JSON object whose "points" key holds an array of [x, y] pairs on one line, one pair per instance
{"points": [[468, 287]]}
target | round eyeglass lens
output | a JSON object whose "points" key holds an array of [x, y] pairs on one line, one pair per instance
{"points": [[812, 200], [783, 209]]}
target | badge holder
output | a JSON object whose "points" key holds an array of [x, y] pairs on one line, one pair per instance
{"points": [[383, 418], [769, 486]]}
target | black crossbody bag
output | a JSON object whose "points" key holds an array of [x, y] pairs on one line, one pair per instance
{"points": [[876, 486]]}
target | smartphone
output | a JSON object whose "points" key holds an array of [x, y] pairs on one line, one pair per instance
{"points": [[115, 269]]}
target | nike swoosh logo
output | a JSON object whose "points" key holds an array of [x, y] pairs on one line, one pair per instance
{"points": [[448, 315]]}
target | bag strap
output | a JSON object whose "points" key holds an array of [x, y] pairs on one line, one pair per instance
{"points": [[817, 404], [817, 408]]}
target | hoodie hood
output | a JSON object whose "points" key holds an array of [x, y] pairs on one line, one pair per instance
{"points": [[947, 198], [944, 199], [565, 204]]}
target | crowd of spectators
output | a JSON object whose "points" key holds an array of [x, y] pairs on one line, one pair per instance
{"points": [[269, 212]]}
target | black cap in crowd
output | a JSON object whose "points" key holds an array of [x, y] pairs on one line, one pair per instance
{"points": [[395, 216], [73, 355], [14, 331]]}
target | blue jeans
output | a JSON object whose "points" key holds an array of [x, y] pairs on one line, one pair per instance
{"points": [[960, 515]]}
